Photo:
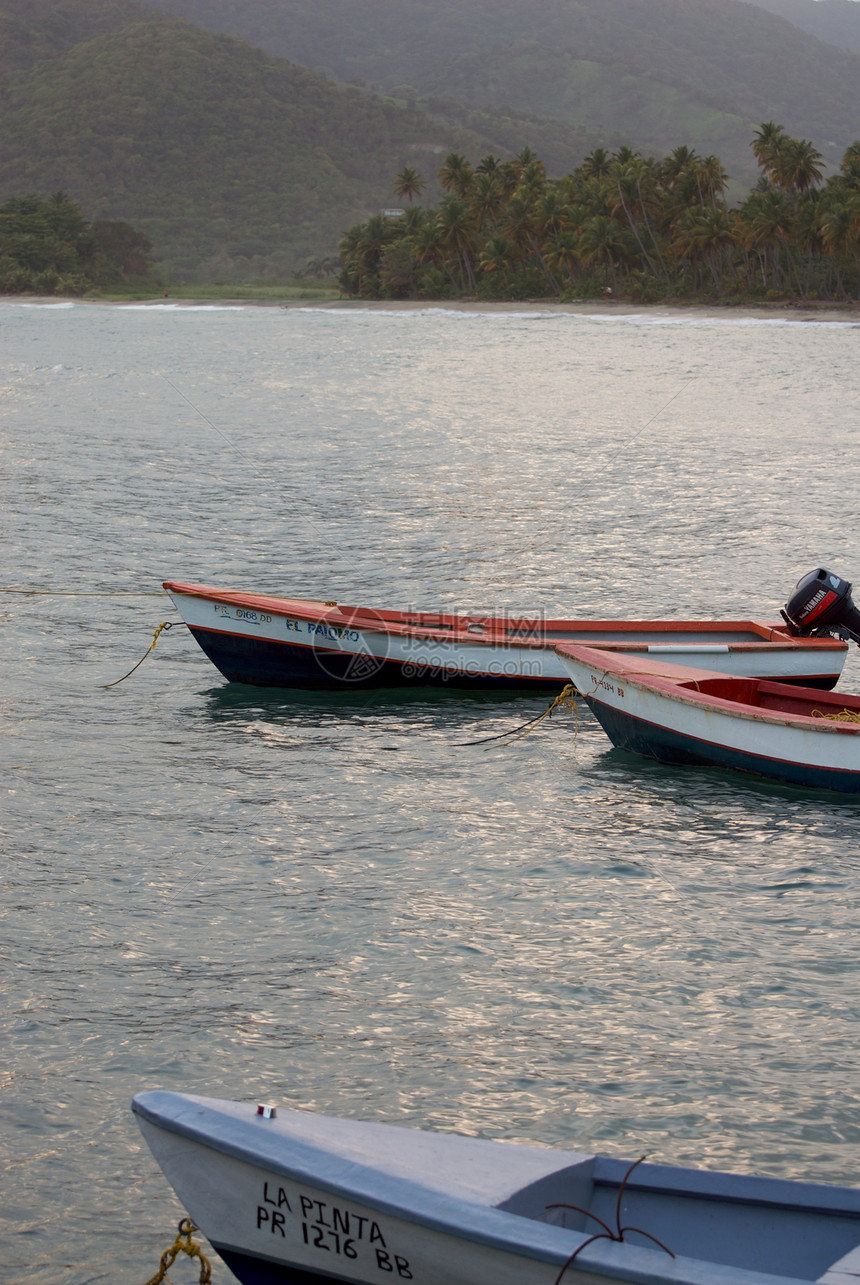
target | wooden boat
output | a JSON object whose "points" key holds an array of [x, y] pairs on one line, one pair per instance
{"points": [[293, 642], [684, 715], [296, 1199]]}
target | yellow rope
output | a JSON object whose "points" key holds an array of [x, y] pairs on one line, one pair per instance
{"points": [[844, 716], [566, 700], [165, 624], [183, 1245]]}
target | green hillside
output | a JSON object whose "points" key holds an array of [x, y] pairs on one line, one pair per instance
{"points": [[835, 21], [228, 160], [710, 68], [603, 101], [236, 163]]}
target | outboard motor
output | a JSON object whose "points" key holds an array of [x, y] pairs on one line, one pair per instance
{"points": [[822, 604]]}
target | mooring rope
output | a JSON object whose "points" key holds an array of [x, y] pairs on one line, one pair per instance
{"points": [[165, 625], [183, 1245], [566, 700]]}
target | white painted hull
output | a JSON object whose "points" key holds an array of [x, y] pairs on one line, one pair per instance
{"points": [[289, 643], [682, 726], [304, 1199]]}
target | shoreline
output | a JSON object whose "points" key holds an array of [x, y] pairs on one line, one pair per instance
{"points": [[801, 311]]}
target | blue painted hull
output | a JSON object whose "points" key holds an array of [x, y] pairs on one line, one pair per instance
{"points": [[263, 663], [651, 740], [259, 1271]]}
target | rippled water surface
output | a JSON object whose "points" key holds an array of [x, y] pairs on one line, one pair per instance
{"points": [[325, 900]]}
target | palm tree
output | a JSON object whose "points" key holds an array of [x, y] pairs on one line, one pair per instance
{"points": [[486, 197], [498, 255], [765, 223], [488, 165], [625, 156], [409, 183], [602, 240], [457, 235], [711, 178], [796, 166], [412, 221], [456, 174], [596, 164], [704, 232], [850, 165], [681, 160], [767, 143], [635, 191]]}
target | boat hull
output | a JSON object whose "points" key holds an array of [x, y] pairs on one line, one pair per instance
{"points": [[301, 1199], [680, 726], [273, 642]]}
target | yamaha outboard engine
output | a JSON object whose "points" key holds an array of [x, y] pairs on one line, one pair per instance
{"points": [[822, 604]]}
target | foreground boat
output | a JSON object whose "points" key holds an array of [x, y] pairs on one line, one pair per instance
{"points": [[679, 714], [293, 642], [295, 1199]]}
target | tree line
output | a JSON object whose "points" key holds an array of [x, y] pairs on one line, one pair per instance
{"points": [[50, 247], [620, 223]]}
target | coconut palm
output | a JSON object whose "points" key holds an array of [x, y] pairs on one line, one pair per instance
{"points": [[498, 255], [486, 197], [765, 224], [682, 159], [456, 174], [488, 165], [603, 240], [596, 164], [409, 183], [711, 178], [457, 235], [704, 233], [766, 144], [634, 193]]}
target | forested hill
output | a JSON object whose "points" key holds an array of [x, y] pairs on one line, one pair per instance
{"points": [[835, 21], [228, 160], [650, 73]]}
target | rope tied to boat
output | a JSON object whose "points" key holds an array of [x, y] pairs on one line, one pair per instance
{"points": [[565, 700], [183, 1244], [164, 626], [840, 716], [608, 1233]]}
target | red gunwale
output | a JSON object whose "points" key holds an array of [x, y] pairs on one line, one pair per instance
{"points": [[496, 630], [691, 686]]}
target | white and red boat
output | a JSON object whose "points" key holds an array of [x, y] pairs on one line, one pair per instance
{"points": [[294, 642], [681, 715]]}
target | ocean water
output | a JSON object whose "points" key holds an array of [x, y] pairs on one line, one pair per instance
{"points": [[328, 901]]}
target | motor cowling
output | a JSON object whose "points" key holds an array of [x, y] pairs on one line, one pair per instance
{"points": [[822, 604]]}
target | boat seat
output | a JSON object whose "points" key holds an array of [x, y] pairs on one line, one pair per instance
{"points": [[845, 1271]]}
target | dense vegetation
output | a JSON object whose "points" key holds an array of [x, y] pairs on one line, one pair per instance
{"points": [[49, 247], [239, 166], [621, 224], [234, 164], [649, 73], [835, 21]]}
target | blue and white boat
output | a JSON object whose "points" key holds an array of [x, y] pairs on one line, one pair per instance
{"points": [[288, 1198]]}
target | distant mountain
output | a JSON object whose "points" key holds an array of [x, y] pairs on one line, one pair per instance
{"points": [[222, 156], [236, 162], [655, 72], [837, 22]]}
